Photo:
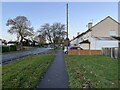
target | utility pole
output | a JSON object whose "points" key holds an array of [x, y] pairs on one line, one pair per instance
{"points": [[67, 22]]}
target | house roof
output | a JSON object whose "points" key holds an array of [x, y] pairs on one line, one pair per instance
{"points": [[105, 38], [102, 21], [86, 41], [12, 42], [118, 38], [77, 36], [94, 26]]}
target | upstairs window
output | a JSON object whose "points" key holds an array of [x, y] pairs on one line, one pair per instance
{"points": [[112, 32]]}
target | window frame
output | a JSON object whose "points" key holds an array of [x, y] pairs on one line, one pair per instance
{"points": [[112, 32]]}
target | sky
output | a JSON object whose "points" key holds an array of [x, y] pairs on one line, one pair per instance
{"points": [[39, 13]]}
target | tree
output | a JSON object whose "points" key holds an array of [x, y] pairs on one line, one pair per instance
{"points": [[67, 42], [45, 31], [59, 34], [54, 33], [20, 26], [41, 40]]}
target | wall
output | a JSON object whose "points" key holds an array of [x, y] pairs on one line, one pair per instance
{"points": [[84, 46], [87, 35], [119, 31], [99, 44], [75, 41], [72, 43], [102, 29]]}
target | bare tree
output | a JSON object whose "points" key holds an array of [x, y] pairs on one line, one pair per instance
{"points": [[20, 26], [59, 34], [45, 31], [54, 33]]}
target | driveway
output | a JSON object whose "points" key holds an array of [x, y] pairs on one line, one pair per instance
{"points": [[15, 55]]}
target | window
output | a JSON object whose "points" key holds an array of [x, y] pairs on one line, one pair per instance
{"points": [[112, 32]]}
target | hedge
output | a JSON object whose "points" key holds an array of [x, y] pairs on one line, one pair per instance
{"points": [[9, 48], [5, 49], [13, 48]]}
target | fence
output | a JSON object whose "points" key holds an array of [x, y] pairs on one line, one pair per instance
{"points": [[85, 52], [111, 52]]}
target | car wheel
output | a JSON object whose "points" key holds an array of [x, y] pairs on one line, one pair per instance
{"points": [[66, 52]]}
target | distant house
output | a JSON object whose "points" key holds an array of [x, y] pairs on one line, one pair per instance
{"points": [[28, 42], [3, 42], [99, 35], [12, 43], [41, 40]]}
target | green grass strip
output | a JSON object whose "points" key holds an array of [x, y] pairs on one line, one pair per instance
{"points": [[100, 71], [25, 73]]}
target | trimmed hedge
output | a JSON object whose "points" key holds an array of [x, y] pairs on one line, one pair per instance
{"points": [[5, 49], [9, 48], [13, 48]]}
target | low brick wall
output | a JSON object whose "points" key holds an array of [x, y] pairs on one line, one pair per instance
{"points": [[84, 52]]}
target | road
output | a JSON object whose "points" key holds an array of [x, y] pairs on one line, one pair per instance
{"points": [[16, 55]]}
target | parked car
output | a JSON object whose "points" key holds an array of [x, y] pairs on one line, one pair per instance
{"points": [[71, 48], [75, 48], [65, 50]]}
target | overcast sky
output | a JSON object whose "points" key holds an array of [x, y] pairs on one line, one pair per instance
{"points": [[80, 13]]}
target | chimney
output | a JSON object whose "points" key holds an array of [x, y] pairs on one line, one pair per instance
{"points": [[78, 33], [90, 25]]}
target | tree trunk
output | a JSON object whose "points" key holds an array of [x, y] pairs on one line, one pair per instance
{"points": [[21, 43]]}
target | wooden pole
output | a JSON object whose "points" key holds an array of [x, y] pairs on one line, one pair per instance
{"points": [[67, 21]]}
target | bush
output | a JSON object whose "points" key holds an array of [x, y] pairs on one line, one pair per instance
{"points": [[13, 47], [9, 48], [5, 49]]}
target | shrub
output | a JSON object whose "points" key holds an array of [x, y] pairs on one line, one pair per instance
{"points": [[13, 47], [9, 48], [5, 49]]}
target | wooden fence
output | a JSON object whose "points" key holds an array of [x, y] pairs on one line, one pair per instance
{"points": [[111, 52], [84, 52]]}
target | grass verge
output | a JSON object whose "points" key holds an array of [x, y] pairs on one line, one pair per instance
{"points": [[25, 73], [97, 71]]}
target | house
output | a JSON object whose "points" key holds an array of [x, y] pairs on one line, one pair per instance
{"points": [[99, 36], [3, 42], [12, 43], [41, 40]]}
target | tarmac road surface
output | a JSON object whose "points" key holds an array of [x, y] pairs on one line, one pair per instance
{"points": [[6, 57]]}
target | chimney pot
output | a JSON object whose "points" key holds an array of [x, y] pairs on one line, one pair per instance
{"points": [[78, 33], [90, 25]]}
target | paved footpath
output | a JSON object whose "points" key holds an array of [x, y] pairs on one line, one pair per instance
{"points": [[56, 76]]}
